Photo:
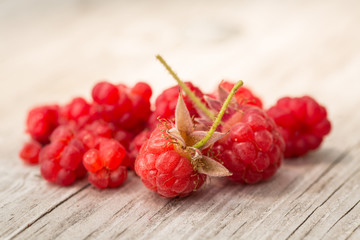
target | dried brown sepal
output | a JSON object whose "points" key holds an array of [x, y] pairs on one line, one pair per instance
{"points": [[212, 168]]}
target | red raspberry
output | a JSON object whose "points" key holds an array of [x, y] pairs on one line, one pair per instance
{"points": [[105, 93], [165, 104], [128, 109], [302, 122], [135, 146], [91, 134], [253, 149], [78, 110], [142, 89], [111, 101], [104, 164], [108, 179], [30, 152], [124, 137], [41, 121], [164, 169], [243, 95], [136, 119], [61, 160], [63, 133]]}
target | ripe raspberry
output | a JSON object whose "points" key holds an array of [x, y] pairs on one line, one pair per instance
{"points": [[163, 170], [110, 101], [30, 152], [142, 89], [124, 137], [61, 160], [105, 93], [165, 104], [41, 121], [108, 179], [302, 122], [243, 95], [104, 164], [78, 110], [170, 162], [135, 146], [253, 149], [127, 108], [91, 134], [136, 119]]}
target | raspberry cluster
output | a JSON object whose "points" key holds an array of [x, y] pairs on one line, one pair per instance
{"points": [[175, 145], [89, 138]]}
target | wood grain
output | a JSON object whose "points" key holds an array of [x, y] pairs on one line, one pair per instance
{"points": [[53, 50]]}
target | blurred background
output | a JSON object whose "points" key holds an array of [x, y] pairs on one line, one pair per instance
{"points": [[51, 51]]}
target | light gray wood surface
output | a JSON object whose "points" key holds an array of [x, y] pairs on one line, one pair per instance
{"points": [[51, 51]]}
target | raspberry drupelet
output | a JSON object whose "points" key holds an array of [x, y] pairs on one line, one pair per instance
{"points": [[303, 123]]}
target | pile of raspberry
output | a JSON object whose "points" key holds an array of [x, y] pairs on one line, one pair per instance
{"points": [[94, 138], [119, 130]]}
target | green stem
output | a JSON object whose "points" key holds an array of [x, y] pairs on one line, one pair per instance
{"points": [[186, 89], [219, 116]]}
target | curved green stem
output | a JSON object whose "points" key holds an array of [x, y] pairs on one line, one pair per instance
{"points": [[186, 89], [219, 116]]}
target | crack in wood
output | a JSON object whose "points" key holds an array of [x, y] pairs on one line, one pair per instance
{"points": [[308, 232], [331, 166], [47, 212], [347, 212], [119, 234], [302, 223], [348, 237], [238, 229]]}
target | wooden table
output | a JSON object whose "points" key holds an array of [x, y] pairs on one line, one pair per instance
{"points": [[51, 51]]}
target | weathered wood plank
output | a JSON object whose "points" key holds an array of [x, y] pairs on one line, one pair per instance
{"points": [[288, 48]]}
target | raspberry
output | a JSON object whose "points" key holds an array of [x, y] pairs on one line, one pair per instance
{"points": [[110, 101], [165, 104], [170, 162], [124, 137], [63, 133], [61, 160], [105, 93], [78, 110], [41, 121], [303, 123], [108, 179], [163, 170], [243, 95], [142, 89], [104, 164], [127, 108], [91, 134], [136, 145], [253, 149], [136, 119], [30, 152]]}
